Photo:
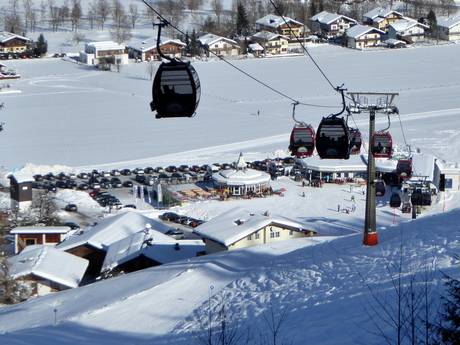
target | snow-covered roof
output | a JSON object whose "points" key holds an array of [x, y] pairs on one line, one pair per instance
{"points": [[255, 47], [405, 24], [359, 30], [40, 230], [448, 22], [394, 41], [232, 226], [153, 245], [423, 165], [151, 43], [275, 21], [233, 177], [210, 39], [110, 230], [49, 263], [354, 164], [105, 45], [448, 167], [22, 176], [268, 36], [380, 12], [6, 36], [326, 17]]}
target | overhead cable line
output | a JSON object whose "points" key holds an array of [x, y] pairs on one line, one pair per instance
{"points": [[282, 94]]}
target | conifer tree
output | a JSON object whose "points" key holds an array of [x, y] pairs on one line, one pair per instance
{"points": [[450, 327], [242, 21]]}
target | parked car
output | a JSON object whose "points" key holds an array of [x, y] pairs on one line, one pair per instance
{"points": [[183, 168], [149, 170], [139, 171], [82, 176], [116, 182], [72, 225], [115, 172], [176, 233], [38, 178], [83, 186], [128, 184], [140, 178], [130, 206], [169, 216], [125, 172], [71, 208], [171, 169]]}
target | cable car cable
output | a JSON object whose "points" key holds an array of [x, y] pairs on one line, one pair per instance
{"points": [[402, 130], [239, 69]]}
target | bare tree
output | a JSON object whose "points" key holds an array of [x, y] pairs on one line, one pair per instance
{"points": [[28, 13], [193, 5], [274, 322], [217, 7], [102, 11], [92, 14], [43, 12], [172, 9], [12, 20], [121, 31], [133, 14], [75, 14]]}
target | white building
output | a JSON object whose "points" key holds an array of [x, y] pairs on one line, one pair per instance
{"points": [[147, 50], [408, 30], [449, 28], [330, 169], [363, 36], [47, 269], [219, 45], [104, 52], [331, 24], [241, 180], [450, 173], [239, 228]]}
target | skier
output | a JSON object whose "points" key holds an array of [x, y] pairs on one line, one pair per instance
{"points": [[338, 208], [353, 198]]}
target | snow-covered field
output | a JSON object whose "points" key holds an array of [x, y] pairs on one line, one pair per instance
{"points": [[75, 115]]}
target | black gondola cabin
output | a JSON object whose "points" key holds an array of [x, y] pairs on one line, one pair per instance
{"points": [[332, 138]]}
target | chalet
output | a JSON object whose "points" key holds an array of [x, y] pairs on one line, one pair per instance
{"points": [[239, 228], [256, 49], [381, 18], [12, 43], [449, 28], [98, 53], [273, 44], [219, 45], [31, 235], [407, 30], [21, 190], [147, 50], [278, 25], [148, 248], [363, 36], [92, 243], [331, 25], [47, 269]]}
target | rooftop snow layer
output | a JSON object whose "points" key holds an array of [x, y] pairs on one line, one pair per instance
{"points": [[448, 22], [40, 229], [105, 45], [210, 39], [358, 30], [275, 21], [405, 24], [325, 17], [355, 163], [49, 263], [379, 12], [151, 43], [6, 36]]}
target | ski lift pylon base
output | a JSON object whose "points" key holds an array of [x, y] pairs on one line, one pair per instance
{"points": [[371, 238]]}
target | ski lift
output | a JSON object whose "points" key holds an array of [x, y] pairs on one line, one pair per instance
{"points": [[355, 141], [380, 188], [395, 200], [176, 88], [406, 207], [404, 169], [426, 198], [382, 143], [302, 142], [417, 198], [332, 136]]}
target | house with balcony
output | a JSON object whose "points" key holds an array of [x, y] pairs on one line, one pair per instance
{"points": [[147, 50], [381, 18], [12, 44], [273, 44], [363, 36], [407, 30], [104, 52], [221, 46], [449, 28], [25, 236], [277, 24], [331, 25]]}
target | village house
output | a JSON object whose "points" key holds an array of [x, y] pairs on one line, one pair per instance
{"points": [[363, 36], [104, 52], [273, 44], [239, 228], [449, 28], [240, 180], [381, 18], [278, 25], [31, 235], [47, 269], [21, 190], [11, 43], [147, 50], [407, 30], [219, 45], [93, 242], [148, 248], [256, 49], [331, 25]]}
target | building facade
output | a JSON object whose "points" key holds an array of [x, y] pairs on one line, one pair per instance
{"points": [[147, 50], [331, 25], [12, 43], [363, 36], [381, 18], [105, 52], [273, 44], [277, 24], [31, 235], [449, 28], [219, 45]]}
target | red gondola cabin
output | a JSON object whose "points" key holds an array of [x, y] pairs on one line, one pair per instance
{"points": [[302, 142]]}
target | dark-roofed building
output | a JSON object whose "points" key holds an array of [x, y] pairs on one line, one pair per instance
{"points": [[12, 43]]}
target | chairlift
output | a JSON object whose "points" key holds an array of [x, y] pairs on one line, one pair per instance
{"points": [[355, 141], [176, 88], [417, 198], [395, 200], [333, 136], [380, 188], [404, 169], [302, 141]]}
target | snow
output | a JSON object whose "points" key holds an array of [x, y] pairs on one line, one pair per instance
{"points": [[110, 230], [448, 22], [49, 263], [238, 223], [358, 30], [232, 177], [151, 43], [105, 45], [356, 163], [6, 36], [267, 35], [40, 230], [210, 39], [274, 21], [325, 17], [405, 24], [379, 12], [423, 166]]}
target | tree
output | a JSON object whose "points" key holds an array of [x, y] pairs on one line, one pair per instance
{"points": [[102, 12], [432, 22], [217, 7], [133, 14], [449, 329], [194, 45], [121, 30], [28, 13], [242, 22], [92, 14], [12, 20], [193, 5], [75, 14], [42, 45]]}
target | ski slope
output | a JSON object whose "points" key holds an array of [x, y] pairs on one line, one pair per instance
{"points": [[74, 115]]}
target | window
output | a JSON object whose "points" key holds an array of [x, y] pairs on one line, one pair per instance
{"points": [[277, 234], [448, 183], [30, 241], [249, 237], [272, 234], [291, 232], [257, 235]]}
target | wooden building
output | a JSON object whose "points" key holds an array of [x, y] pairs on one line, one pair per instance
{"points": [[147, 50], [13, 44], [20, 191], [277, 24], [331, 25], [221, 46], [31, 235], [407, 30], [449, 28], [273, 44], [363, 36], [381, 18]]}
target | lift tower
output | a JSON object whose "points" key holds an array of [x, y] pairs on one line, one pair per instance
{"points": [[372, 103]]}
